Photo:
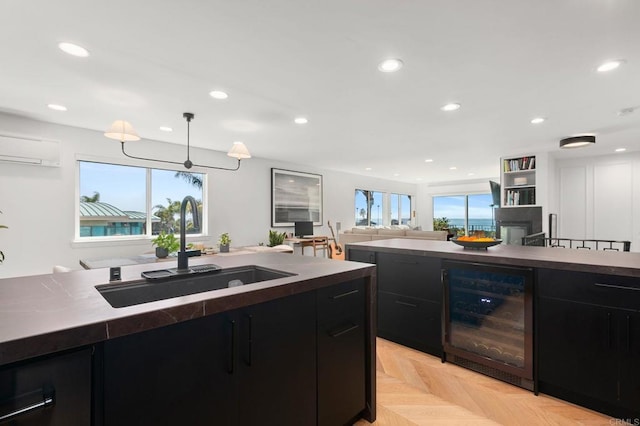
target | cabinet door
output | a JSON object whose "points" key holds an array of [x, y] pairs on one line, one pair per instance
{"points": [[412, 276], [577, 348], [277, 362], [57, 388], [179, 374], [412, 322], [630, 362], [341, 353]]}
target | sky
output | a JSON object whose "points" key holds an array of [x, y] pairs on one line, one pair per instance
{"points": [[124, 187], [452, 207]]}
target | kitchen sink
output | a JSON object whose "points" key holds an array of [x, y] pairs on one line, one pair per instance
{"points": [[166, 284]]}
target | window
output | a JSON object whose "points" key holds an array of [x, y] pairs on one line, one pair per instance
{"points": [[400, 209], [473, 212], [379, 208], [118, 200]]}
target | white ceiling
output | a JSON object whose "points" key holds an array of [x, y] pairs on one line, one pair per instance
{"points": [[506, 62]]}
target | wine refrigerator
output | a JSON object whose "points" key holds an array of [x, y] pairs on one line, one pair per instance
{"points": [[488, 320]]}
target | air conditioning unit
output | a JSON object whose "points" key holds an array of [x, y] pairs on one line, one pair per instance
{"points": [[26, 150]]}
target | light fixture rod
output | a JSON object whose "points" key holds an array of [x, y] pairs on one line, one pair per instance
{"points": [[187, 163]]}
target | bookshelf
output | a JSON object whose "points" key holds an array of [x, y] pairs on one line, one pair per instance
{"points": [[518, 181]]}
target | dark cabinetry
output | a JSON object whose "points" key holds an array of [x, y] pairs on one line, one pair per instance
{"points": [[243, 367], [410, 301], [589, 340], [364, 256], [52, 391], [341, 351]]}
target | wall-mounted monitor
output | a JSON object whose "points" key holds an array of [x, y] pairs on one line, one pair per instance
{"points": [[495, 192]]}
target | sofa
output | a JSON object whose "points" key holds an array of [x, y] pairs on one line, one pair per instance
{"points": [[358, 235]]}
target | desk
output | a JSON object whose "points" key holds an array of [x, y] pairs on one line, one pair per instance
{"points": [[317, 242]]}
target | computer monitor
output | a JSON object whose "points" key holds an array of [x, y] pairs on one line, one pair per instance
{"points": [[303, 229]]}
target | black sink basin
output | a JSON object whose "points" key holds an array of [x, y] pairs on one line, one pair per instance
{"points": [[120, 295]]}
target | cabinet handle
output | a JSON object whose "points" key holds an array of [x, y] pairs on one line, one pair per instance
{"points": [[619, 287], [48, 399], [345, 331], [349, 293], [628, 334], [407, 262], [406, 304], [232, 349], [609, 330], [249, 350]]}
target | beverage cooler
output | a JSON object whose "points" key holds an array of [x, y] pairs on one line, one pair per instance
{"points": [[488, 320]]}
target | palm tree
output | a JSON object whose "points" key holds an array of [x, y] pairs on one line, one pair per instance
{"points": [[167, 215], [194, 179], [94, 199]]}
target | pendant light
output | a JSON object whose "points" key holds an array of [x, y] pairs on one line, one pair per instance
{"points": [[123, 131]]}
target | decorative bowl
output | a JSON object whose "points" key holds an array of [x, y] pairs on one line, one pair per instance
{"points": [[478, 245]]}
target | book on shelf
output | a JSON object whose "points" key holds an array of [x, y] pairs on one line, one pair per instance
{"points": [[519, 164]]}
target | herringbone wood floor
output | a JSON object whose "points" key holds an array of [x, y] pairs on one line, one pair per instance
{"points": [[417, 389]]}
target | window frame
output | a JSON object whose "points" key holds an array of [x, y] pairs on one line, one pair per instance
{"points": [[385, 214], [466, 196], [147, 236]]}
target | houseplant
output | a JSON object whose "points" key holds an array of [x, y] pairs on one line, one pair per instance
{"points": [[224, 242], [166, 243], [276, 238]]}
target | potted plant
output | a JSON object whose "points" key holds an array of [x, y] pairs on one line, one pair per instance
{"points": [[276, 238], [166, 243], [224, 242]]}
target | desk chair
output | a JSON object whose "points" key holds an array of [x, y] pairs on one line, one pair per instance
{"points": [[318, 243]]}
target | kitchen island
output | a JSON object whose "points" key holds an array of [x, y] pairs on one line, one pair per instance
{"points": [[299, 349], [559, 321]]}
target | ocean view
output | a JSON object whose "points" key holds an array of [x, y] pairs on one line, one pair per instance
{"points": [[477, 224]]}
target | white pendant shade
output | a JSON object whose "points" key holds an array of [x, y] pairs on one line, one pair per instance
{"points": [[239, 151], [122, 131]]}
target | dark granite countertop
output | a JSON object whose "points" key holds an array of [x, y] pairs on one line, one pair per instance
{"points": [[43, 314], [597, 262]]}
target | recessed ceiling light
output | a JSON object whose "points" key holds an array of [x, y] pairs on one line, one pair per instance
{"points": [[396, 174], [57, 107], [428, 160], [450, 107], [300, 120], [537, 120], [470, 174], [453, 168], [73, 49], [621, 149], [418, 178], [610, 65], [166, 129], [367, 168], [218, 94], [390, 65]]}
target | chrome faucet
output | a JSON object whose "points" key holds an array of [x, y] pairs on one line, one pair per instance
{"points": [[183, 254]]}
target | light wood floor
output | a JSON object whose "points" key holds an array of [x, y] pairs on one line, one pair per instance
{"points": [[417, 389]]}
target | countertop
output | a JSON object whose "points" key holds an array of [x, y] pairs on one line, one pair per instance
{"points": [[42, 314], [598, 262]]}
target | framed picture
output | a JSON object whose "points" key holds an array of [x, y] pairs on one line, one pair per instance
{"points": [[295, 197]]}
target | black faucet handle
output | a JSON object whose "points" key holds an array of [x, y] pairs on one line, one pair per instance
{"points": [[191, 253]]}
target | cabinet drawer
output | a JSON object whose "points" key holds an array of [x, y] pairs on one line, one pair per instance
{"points": [[340, 301], [413, 276], [600, 289], [58, 390], [363, 256], [412, 322]]}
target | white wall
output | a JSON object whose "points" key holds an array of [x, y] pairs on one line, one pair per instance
{"points": [[38, 203], [599, 198]]}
